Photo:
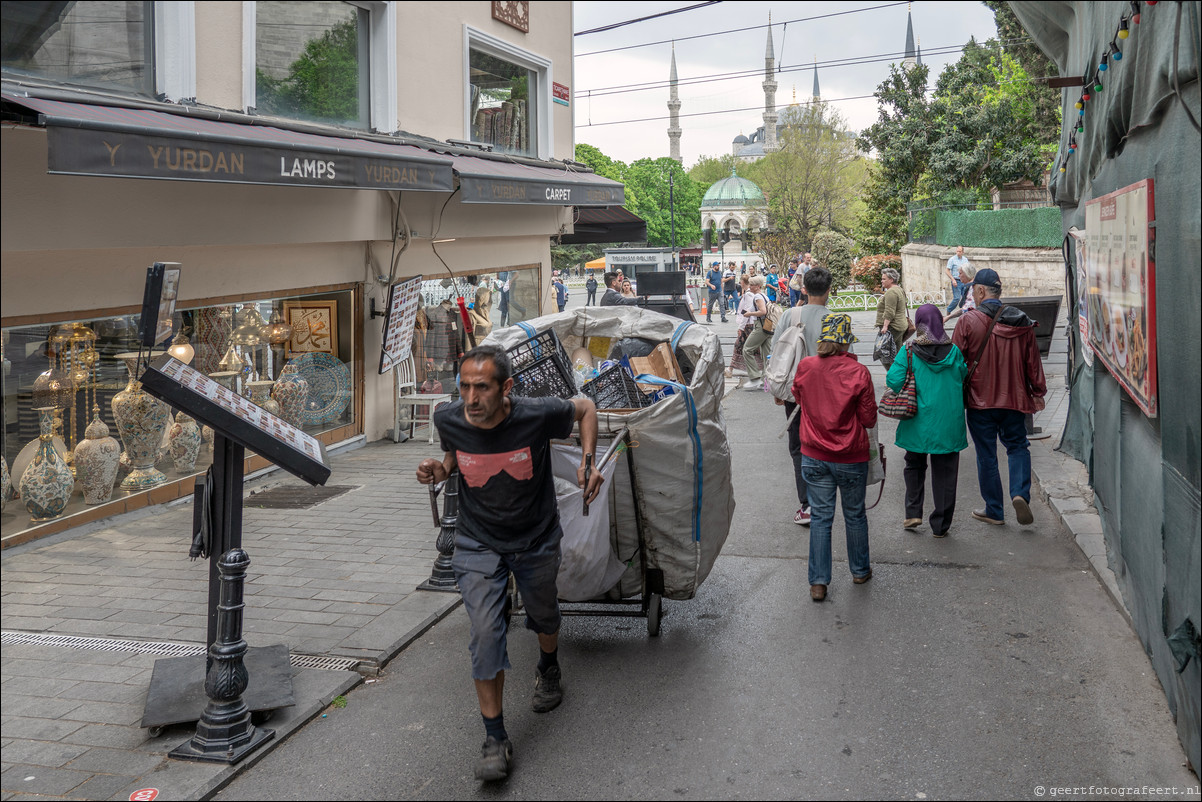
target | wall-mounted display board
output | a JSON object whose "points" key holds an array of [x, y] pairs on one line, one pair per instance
{"points": [[1120, 274], [238, 418], [398, 326]]}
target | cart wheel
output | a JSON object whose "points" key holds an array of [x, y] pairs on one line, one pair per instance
{"points": [[260, 717], [154, 732], [654, 605]]}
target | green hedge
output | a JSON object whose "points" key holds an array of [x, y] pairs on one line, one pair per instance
{"points": [[1004, 228]]}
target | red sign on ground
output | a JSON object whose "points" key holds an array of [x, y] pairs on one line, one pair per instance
{"points": [[144, 795]]}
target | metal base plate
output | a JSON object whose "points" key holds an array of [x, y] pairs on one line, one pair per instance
{"points": [[186, 751], [177, 686]]}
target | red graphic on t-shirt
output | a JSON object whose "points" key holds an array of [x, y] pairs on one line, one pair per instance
{"points": [[477, 469]]}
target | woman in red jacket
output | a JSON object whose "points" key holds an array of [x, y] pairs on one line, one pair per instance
{"points": [[834, 393]]}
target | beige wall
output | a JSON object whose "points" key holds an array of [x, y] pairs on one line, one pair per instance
{"points": [[431, 85], [1024, 271]]}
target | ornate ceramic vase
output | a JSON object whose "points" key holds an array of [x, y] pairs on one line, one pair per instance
{"points": [[260, 393], [141, 422], [47, 483], [96, 460], [185, 442], [5, 484], [291, 391]]}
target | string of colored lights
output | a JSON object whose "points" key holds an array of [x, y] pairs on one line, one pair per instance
{"points": [[1093, 80]]}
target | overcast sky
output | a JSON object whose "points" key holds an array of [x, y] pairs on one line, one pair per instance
{"points": [[879, 31]]}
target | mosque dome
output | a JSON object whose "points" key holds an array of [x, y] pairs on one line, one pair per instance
{"points": [[734, 191], [741, 140]]}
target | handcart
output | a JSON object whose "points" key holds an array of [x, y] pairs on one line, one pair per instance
{"points": [[650, 604], [670, 496]]}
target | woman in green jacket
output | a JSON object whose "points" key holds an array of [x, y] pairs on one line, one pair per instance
{"points": [[938, 429]]}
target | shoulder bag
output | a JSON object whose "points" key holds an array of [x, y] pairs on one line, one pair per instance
{"points": [[903, 404]]}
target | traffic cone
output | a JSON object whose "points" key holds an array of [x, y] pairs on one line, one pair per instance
{"points": [[705, 309]]}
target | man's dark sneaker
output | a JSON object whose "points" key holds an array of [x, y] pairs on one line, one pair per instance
{"points": [[547, 693], [495, 757]]}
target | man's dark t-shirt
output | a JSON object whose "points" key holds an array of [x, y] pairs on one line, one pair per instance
{"points": [[506, 492]]}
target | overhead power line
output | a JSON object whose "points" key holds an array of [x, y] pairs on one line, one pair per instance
{"points": [[738, 30], [708, 113], [611, 26]]}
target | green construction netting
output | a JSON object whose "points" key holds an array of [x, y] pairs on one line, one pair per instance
{"points": [[1146, 472]]}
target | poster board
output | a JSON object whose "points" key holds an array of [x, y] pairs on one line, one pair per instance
{"points": [[399, 322], [237, 418], [1121, 281], [158, 303]]}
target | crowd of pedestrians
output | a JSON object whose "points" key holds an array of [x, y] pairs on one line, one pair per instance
{"points": [[980, 379]]}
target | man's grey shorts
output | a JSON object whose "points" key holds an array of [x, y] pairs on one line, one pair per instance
{"points": [[483, 577]]}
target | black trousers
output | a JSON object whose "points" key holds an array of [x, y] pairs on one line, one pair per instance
{"points": [[592, 298], [795, 453], [945, 469]]}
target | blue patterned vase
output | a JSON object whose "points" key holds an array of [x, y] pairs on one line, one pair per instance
{"points": [[47, 483], [141, 422]]}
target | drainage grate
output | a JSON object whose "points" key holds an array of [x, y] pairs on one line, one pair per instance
{"points": [[295, 497], [157, 647]]}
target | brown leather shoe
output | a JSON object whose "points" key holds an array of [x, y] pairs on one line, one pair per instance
{"points": [[1022, 511], [911, 523], [818, 592], [860, 580], [981, 516]]}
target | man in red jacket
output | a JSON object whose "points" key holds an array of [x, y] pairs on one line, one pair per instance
{"points": [[1006, 385], [837, 402]]}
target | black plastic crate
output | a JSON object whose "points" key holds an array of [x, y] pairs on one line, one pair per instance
{"points": [[615, 388], [540, 346], [544, 378]]}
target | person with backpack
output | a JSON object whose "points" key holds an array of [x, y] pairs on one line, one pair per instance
{"points": [[838, 405], [808, 318], [757, 346], [937, 429], [743, 327]]}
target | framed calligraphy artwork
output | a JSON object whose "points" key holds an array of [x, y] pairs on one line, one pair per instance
{"points": [[314, 327]]}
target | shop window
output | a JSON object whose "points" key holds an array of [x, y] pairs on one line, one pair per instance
{"points": [[506, 104], [313, 61], [103, 44], [495, 300], [74, 368]]}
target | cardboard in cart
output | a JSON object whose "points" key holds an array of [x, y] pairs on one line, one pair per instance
{"points": [[661, 362]]}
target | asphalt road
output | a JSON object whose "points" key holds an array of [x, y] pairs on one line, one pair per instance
{"points": [[986, 666]]}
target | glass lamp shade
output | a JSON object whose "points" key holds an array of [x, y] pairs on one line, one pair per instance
{"points": [[52, 388], [231, 362], [181, 349], [247, 335], [277, 332]]}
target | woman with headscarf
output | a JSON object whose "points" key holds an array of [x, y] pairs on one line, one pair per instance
{"points": [[837, 402], [938, 430], [891, 311]]}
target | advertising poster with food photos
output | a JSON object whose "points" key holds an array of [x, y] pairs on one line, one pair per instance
{"points": [[398, 326], [1121, 286]]}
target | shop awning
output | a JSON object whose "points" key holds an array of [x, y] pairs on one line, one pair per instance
{"points": [[489, 181], [613, 224], [141, 143]]}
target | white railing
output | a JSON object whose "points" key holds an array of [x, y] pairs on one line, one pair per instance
{"points": [[867, 301]]}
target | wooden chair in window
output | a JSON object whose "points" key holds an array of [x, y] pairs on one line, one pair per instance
{"points": [[408, 398]]}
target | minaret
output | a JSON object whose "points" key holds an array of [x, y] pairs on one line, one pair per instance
{"points": [[920, 51], [817, 94], [911, 58], [674, 111], [770, 115]]}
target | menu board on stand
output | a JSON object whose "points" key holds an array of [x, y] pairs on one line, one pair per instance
{"points": [[199, 689], [1120, 284]]}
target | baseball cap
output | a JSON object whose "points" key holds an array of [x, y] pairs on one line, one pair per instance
{"points": [[988, 277]]}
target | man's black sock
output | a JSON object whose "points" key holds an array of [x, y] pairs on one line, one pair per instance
{"points": [[547, 659], [495, 726]]}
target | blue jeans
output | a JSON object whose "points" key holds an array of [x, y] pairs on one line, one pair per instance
{"points": [[794, 296], [715, 301], [733, 297], [822, 480], [987, 426], [483, 578], [958, 291]]}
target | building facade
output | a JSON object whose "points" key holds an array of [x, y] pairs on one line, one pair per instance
{"points": [[296, 159]]}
